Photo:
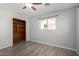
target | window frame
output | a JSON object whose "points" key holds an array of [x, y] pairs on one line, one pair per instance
{"points": [[47, 19]]}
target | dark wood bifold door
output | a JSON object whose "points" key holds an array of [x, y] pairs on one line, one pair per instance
{"points": [[19, 30]]}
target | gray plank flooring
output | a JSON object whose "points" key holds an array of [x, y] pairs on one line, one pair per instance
{"points": [[35, 49]]}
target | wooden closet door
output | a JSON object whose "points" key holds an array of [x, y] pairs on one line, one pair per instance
{"points": [[14, 32], [19, 30]]}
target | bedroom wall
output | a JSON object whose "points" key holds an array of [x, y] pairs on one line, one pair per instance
{"points": [[6, 30], [77, 41], [63, 36]]}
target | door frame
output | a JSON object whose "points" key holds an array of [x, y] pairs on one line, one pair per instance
{"points": [[25, 26]]}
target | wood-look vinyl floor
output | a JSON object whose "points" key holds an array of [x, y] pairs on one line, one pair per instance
{"points": [[35, 49]]}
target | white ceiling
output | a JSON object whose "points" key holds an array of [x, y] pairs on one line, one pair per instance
{"points": [[41, 9]]}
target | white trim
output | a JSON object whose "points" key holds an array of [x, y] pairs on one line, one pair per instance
{"points": [[54, 45], [6, 46]]}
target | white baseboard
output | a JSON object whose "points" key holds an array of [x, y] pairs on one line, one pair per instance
{"points": [[54, 45], [5, 46]]}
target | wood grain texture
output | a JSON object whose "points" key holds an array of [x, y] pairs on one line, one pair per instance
{"points": [[19, 30], [35, 49]]}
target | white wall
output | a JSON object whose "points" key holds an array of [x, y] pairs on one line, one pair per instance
{"points": [[65, 33], [77, 41], [6, 30]]}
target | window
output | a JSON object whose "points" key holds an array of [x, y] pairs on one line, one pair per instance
{"points": [[49, 24], [43, 24]]}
